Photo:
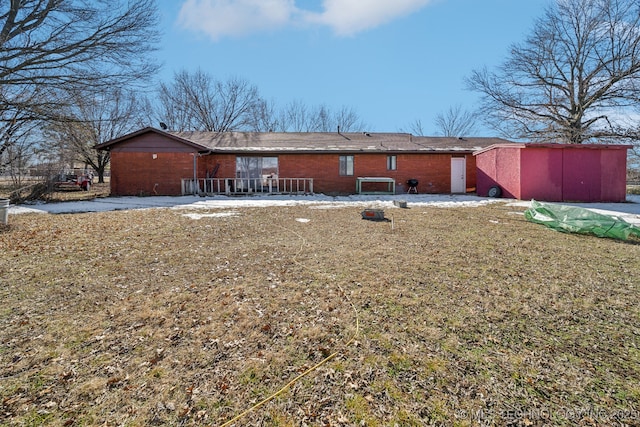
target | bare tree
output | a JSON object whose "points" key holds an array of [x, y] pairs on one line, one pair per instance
{"points": [[50, 45], [8, 138], [415, 128], [297, 117], [572, 78], [92, 119], [19, 156], [347, 119], [267, 118], [196, 101], [301, 118], [321, 120], [16, 146], [17, 141], [456, 122]]}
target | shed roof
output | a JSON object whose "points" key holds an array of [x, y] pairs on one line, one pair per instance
{"points": [[554, 146], [272, 142]]}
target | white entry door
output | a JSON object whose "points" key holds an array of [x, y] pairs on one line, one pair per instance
{"points": [[458, 175]]}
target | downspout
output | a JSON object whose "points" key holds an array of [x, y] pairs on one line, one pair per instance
{"points": [[195, 173]]}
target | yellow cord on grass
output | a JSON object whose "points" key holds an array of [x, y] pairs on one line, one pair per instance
{"points": [[311, 369], [293, 381]]}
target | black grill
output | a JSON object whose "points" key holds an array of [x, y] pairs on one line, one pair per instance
{"points": [[413, 184]]}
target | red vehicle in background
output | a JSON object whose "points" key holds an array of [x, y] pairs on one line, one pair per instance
{"points": [[71, 181]]}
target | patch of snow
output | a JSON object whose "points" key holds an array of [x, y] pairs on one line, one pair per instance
{"points": [[630, 210], [303, 219], [212, 215]]}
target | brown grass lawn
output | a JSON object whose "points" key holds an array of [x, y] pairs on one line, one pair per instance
{"points": [[466, 316]]}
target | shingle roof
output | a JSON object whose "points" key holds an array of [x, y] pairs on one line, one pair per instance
{"points": [[331, 142], [296, 142]]}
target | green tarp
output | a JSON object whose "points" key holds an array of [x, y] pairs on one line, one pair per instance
{"points": [[572, 219]]}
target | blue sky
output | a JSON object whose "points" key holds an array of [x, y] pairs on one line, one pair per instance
{"points": [[392, 61]]}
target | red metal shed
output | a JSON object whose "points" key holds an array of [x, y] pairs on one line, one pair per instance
{"points": [[554, 172]]}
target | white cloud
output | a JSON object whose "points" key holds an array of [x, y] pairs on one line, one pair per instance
{"points": [[219, 18], [348, 17]]}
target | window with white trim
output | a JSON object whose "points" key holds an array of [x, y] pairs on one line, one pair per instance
{"points": [[346, 165], [392, 163]]}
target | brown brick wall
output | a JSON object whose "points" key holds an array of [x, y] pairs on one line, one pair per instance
{"points": [[226, 168], [135, 174], [433, 171]]}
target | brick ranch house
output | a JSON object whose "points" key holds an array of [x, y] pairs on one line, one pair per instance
{"points": [[156, 162]]}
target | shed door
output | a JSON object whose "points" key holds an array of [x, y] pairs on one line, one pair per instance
{"points": [[458, 175]]}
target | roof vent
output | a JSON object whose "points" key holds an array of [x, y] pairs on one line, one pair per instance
{"points": [[344, 136]]}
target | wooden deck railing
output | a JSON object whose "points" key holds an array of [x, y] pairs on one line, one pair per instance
{"points": [[211, 186]]}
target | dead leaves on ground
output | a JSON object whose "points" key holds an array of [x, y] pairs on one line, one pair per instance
{"points": [[152, 318]]}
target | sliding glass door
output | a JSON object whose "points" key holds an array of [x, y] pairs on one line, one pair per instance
{"points": [[256, 173]]}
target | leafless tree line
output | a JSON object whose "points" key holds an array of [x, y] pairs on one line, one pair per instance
{"points": [[50, 49], [190, 102], [454, 122], [198, 101], [91, 120], [72, 74]]}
